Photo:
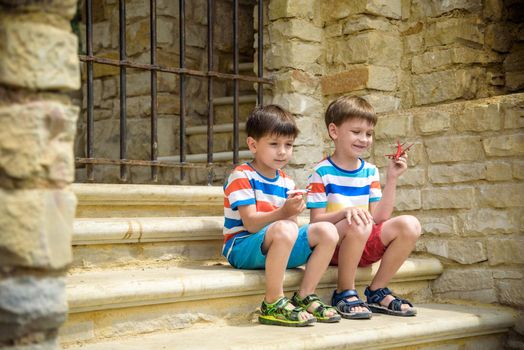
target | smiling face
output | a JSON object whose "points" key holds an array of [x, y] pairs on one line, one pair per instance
{"points": [[352, 138], [271, 152]]}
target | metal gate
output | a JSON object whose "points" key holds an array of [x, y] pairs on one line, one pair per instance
{"points": [[211, 74]]}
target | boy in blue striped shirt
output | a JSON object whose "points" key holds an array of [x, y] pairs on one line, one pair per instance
{"points": [[345, 190]]}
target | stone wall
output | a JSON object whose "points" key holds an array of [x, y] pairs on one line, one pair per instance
{"points": [[38, 66], [401, 54], [294, 44], [465, 183]]}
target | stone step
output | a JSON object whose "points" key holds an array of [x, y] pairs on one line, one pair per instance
{"points": [[223, 108], [148, 286], [103, 243], [437, 326], [244, 67], [128, 301], [196, 136], [89, 231], [222, 132], [222, 139], [128, 201], [202, 129]]}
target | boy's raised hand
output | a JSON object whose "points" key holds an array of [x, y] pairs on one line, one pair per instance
{"points": [[397, 167]]}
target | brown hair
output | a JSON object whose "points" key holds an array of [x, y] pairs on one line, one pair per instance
{"points": [[271, 120], [348, 107]]}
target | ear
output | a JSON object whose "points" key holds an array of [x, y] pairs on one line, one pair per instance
{"points": [[251, 144], [333, 131]]}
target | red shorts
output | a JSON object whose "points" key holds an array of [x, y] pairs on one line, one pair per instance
{"points": [[373, 250]]}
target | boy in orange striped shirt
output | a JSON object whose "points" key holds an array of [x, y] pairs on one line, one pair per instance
{"points": [[260, 225]]}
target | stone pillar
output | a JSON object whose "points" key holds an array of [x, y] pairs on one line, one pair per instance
{"points": [[38, 67], [292, 58]]}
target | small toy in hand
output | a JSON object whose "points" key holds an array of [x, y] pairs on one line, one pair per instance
{"points": [[400, 152], [302, 192], [292, 192]]}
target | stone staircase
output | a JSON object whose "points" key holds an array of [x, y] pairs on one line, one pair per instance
{"points": [[147, 274]]}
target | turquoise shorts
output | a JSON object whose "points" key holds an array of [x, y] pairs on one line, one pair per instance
{"points": [[245, 252]]}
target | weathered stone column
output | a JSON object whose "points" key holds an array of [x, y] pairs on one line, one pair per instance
{"points": [[38, 66], [293, 52]]}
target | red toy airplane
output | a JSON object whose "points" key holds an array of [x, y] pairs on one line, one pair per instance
{"points": [[400, 152]]}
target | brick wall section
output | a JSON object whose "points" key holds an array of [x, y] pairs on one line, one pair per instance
{"points": [[38, 67], [402, 54], [293, 47], [465, 184]]}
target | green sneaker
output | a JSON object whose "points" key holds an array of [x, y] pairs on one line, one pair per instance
{"points": [[277, 314]]}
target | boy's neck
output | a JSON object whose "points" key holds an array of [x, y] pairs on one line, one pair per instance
{"points": [[270, 173], [346, 163]]}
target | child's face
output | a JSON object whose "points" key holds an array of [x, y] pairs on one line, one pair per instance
{"points": [[271, 152], [353, 137]]}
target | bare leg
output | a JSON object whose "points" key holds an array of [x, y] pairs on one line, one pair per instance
{"points": [[323, 237], [400, 235], [278, 243], [352, 240]]}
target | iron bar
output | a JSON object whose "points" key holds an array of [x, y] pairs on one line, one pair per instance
{"points": [[122, 46], [137, 162], [210, 115], [154, 122], [182, 31], [90, 105], [174, 70], [235, 83], [260, 63]]}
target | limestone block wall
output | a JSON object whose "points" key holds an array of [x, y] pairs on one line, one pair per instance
{"points": [[38, 67], [401, 54], [465, 183], [293, 48]]}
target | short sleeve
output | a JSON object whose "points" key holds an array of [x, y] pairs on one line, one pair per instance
{"points": [[375, 191], [238, 190], [316, 197]]}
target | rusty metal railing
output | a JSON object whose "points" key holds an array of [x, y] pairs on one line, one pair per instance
{"points": [[210, 74]]}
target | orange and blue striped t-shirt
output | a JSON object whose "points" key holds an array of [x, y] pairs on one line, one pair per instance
{"points": [[245, 186], [334, 188]]}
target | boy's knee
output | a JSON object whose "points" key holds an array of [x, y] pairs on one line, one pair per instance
{"points": [[326, 231], [284, 231], [413, 229], [360, 232]]}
